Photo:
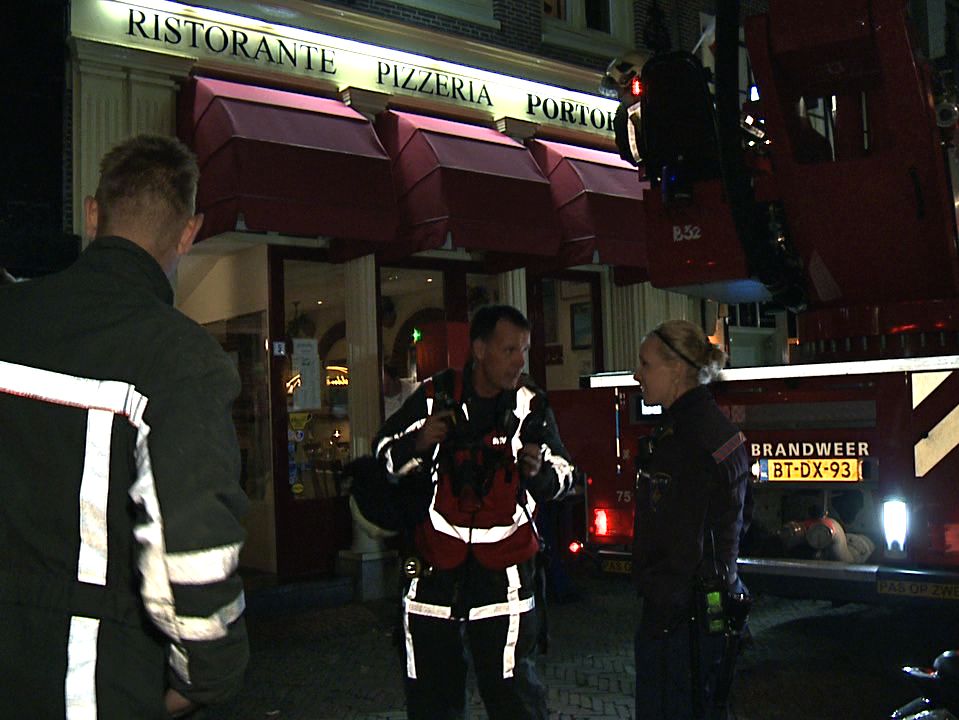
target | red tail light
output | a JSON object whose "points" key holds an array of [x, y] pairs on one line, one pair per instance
{"points": [[636, 87], [601, 522], [575, 547]]}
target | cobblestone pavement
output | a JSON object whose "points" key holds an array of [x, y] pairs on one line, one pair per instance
{"points": [[808, 660]]}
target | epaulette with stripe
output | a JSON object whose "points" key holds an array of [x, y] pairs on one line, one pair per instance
{"points": [[728, 447]]}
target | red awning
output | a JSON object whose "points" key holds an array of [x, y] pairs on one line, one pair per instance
{"points": [[469, 185], [598, 199], [276, 161]]}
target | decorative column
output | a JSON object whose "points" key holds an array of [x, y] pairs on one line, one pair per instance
{"points": [[362, 353], [117, 93], [632, 312], [372, 568], [512, 291]]}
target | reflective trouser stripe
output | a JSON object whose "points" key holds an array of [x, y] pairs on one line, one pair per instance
{"points": [[512, 634], [81, 679], [513, 608], [407, 601]]}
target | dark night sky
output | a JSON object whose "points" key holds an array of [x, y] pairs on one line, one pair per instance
{"points": [[31, 107]]}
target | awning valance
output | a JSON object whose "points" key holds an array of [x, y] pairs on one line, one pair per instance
{"points": [[277, 161], [597, 197], [465, 186]]}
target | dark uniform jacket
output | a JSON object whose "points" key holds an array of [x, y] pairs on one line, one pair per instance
{"points": [[499, 532], [689, 507], [119, 496]]}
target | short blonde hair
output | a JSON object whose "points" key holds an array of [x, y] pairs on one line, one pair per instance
{"points": [[686, 341]]}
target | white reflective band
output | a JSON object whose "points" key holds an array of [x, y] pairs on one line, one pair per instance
{"points": [[80, 688], [180, 663], [390, 438], [155, 585], [480, 536], [410, 466], [512, 632], [923, 384], [214, 626], [94, 491], [563, 469], [938, 443], [201, 567], [524, 400], [410, 659], [499, 609], [113, 396], [440, 612]]}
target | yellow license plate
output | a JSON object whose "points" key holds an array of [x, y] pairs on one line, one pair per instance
{"points": [[810, 470], [918, 588], [618, 566]]}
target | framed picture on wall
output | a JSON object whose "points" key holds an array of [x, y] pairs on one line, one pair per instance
{"points": [[569, 289], [581, 325]]}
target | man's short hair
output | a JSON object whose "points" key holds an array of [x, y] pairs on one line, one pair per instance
{"points": [[485, 319], [148, 180]]}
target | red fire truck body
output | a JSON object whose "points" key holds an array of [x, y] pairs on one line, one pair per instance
{"points": [[848, 217], [855, 473]]}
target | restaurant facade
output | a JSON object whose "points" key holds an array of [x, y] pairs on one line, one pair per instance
{"points": [[367, 182]]}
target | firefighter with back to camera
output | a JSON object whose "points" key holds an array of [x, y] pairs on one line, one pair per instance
{"points": [[491, 447], [691, 492]]}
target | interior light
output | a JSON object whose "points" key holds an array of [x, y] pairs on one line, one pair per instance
{"points": [[429, 280], [754, 93], [319, 302]]}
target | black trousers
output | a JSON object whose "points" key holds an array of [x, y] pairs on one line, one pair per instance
{"points": [[665, 682], [487, 615]]}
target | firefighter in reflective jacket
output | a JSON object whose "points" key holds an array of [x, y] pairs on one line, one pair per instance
{"points": [[492, 448], [120, 499], [691, 492]]}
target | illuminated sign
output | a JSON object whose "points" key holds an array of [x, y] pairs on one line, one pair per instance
{"points": [[337, 376], [214, 36], [808, 449]]}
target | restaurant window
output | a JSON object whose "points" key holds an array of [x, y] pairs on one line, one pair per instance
{"points": [[243, 338], [316, 378], [599, 27], [570, 344], [205, 283], [420, 332], [411, 313]]}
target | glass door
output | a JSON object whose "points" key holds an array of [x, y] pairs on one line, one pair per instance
{"points": [[311, 423]]}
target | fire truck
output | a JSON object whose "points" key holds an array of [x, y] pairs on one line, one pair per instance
{"points": [[827, 187]]}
